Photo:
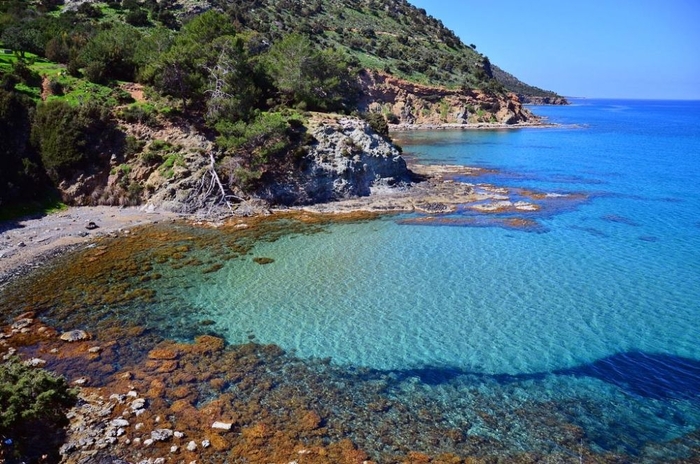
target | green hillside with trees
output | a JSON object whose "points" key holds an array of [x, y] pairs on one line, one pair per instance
{"points": [[244, 71]]}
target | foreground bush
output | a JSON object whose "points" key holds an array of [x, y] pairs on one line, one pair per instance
{"points": [[33, 405]]}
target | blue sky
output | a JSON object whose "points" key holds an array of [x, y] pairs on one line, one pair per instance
{"points": [[585, 48]]}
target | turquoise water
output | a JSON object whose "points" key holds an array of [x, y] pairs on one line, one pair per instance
{"points": [[617, 274], [593, 316], [599, 307]]}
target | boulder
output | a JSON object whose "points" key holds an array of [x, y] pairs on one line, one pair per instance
{"points": [[75, 336]]}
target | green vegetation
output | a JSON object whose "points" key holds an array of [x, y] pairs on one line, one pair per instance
{"points": [[33, 404], [238, 69], [68, 137]]}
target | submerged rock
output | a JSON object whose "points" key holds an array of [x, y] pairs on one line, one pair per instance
{"points": [[161, 434], [75, 336]]}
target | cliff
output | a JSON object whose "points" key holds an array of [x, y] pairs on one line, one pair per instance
{"points": [[346, 159], [404, 102]]}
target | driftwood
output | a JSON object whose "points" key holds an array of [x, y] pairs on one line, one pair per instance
{"points": [[211, 195]]}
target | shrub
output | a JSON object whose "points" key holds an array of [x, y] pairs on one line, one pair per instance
{"points": [[33, 403], [378, 123], [137, 17], [132, 146], [55, 87], [66, 136]]}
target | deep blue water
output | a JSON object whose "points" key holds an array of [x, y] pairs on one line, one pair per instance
{"points": [[594, 314]]}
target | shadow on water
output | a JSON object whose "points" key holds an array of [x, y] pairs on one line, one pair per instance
{"points": [[649, 375]]}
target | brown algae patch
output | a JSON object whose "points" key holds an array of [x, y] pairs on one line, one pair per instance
{"points": [[270, 406]]}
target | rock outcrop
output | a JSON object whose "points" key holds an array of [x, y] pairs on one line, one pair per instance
{"points": [[546, 100], [406, 102], [347, 159]]}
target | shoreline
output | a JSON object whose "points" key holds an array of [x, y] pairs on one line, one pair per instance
{"points": [[27, 243], [470, 126]]}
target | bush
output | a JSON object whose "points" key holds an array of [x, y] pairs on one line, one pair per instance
{"points": [[33, 405], [378, 123], [137, 17], [20, 175], [132, 146], [55, 87], [67, 136]]}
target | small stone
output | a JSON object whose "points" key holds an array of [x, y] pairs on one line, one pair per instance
{"points": [[94, 349], [53, 350], [34, 362], [80, 381], [119, 423], [137, 404], [75, 336], [221, 425], [139, 426], [173, 449], [206, 443], [120, 432], [191, 446], [161, 434], [133, 394], [137, 441], [22, 323], [159, 461], [148, 442], [179, 434]]}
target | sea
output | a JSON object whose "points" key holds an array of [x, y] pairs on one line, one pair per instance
{"points": [[586, 313]]}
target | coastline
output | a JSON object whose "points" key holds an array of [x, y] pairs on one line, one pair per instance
{"points": [[27, 243], [470, 126]]}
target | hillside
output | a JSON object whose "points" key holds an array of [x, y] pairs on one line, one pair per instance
{"points": [[527, 93], [122, 102]]}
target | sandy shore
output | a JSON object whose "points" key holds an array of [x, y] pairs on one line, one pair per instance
{"points": [[30, 241]]}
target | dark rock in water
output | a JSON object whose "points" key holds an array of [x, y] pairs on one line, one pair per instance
{"points": [[648, 238], [262, 260], [207, 322], [91, 226]]}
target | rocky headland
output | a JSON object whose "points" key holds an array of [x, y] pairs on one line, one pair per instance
{"points": [[407, 102]]}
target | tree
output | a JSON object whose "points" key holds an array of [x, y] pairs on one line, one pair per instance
{"points": [[22, 39], [111, 54], [182, 71], [302, 75], [232, 91]]}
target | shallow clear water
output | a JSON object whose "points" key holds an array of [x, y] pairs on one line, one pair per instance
{"points": [[601, 306], [594, 314], [618, 274]]}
